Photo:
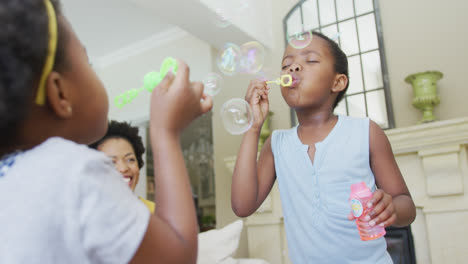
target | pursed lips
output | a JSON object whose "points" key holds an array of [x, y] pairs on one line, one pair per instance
{"points": [[295, 80]]}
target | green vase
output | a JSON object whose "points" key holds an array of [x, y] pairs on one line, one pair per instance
{"points": [[265, 132], [425, 92]]}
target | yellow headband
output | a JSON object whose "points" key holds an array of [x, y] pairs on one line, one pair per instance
{"points": [[49, 63]]}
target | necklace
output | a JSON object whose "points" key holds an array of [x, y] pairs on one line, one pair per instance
{"points": [[7, 162]]}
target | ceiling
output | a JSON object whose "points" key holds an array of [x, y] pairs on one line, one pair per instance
{"points": [[105, 26]]}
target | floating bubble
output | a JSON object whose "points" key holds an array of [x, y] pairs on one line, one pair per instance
{"points": [[228, 59], [300, 40], [336, 36], [226, 10], [244, 4], [213, 83], [252, 57], [222, 20], [267, 73], [237, 116]]}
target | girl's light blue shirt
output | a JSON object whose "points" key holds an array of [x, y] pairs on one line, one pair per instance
{"points": [[314, 195]]}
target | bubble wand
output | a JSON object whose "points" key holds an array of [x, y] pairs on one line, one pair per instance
{"points": [[151, 80], [284, 80]]}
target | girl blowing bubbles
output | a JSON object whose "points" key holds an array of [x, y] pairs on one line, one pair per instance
{"points": [[62, 202], [316, 162]]}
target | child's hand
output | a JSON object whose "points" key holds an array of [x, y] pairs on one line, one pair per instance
{"points": [[257, 97], [176, 102], [383, 212]]}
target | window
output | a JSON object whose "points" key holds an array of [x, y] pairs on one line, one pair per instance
{"points": [[197, 147], [355, 26]]}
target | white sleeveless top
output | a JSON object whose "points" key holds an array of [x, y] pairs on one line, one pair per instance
{"points": [[314, 196]]}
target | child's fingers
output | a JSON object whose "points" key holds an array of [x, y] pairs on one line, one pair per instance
{"points": [[197, 88], [376, 197], [206, 103], [251, 88], [262, 95], [260, 92], [258, 82], [183, 73], [378, 209], [166, 82], [255, 99], [206, 100], [390, 221], [381, 203], [351, 216], [254, 84], [379, 216], [265, 95]]}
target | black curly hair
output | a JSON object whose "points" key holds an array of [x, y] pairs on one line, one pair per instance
{"points": [[128, 132], [24, 39], [341, 62]]}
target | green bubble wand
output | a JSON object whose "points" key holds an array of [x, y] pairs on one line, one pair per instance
{"points": [[150, 81]]}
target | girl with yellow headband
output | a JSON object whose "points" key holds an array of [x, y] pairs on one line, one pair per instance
{"points": [[61, 202]]}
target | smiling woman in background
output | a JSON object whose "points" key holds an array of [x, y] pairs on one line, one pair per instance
{"points": [[125, 147]]}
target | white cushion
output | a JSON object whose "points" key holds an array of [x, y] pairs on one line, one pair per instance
{"points": [[219, 245]]}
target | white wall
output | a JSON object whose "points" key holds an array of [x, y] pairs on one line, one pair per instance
{"points": [[423, 35]]}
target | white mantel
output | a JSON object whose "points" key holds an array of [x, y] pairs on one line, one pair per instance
{"points": [[433, 160]]}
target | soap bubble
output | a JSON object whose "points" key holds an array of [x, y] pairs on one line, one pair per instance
{"points": [[267, 74], [222, 20], [252, 57], [300, 40], [336, 36], [237, 116], [244, 4], [225, 10], [213, 83], [228, 59]]}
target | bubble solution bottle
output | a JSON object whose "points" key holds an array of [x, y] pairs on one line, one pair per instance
{"points": [[360, 196]]}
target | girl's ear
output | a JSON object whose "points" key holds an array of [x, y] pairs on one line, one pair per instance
{"points": [[59, 96], [341, 80]]}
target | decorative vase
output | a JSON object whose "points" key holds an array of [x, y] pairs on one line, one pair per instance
{"points": [[265, 132], [425, 92]]}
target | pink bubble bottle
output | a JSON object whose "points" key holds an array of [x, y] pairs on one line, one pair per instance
{"points": [[360, 196]]}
